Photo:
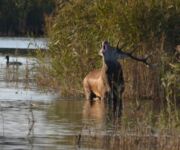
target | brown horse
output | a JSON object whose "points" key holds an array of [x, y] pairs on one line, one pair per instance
{"points": [[107, 83]]}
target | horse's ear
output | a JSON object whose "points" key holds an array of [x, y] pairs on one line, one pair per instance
{"points": [[105, 45]]}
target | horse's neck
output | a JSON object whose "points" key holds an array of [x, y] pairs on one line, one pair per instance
{"points": [[111, 72], [111, 67]]}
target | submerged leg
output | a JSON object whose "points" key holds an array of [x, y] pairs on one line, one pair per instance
{"points": [[117, 104], [88, 94]]}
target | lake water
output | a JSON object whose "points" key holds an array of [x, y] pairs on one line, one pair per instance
{"points": [[31, 119], [23, 43]]}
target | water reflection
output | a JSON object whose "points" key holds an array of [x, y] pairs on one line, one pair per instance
{"points": [[61, 123], [19, 98], [18, 82], [95, 111], [66, 111], [77, 114]]}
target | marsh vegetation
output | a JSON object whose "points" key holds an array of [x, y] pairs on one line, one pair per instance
{"points": [[33, 119], [78, 28], [147, 27]]}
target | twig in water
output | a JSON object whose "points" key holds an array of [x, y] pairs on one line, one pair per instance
{"points": [[2, 116], [31, 120], [78, 142]]}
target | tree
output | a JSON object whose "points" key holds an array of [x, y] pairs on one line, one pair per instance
{"points": [[20, 17]]}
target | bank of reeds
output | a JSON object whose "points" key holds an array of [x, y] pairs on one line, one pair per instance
{"points": [[151, 126], [144, 128], [140, 141], [79, 27], [24, 74]]}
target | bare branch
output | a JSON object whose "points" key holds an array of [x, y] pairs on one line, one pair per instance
{"points": [[129, 54], [143, 60]]}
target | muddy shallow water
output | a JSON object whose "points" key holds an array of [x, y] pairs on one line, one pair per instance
{"points": [[35, 120]]}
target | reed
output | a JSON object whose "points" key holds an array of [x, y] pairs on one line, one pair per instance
{"points": [[78, 28], [148, 127], [131, 141]]}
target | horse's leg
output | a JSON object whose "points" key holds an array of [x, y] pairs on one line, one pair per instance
{"points": [[88, 94], [117, 103]]}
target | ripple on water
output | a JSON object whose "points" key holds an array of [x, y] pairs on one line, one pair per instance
{"points": [[32, 119]]}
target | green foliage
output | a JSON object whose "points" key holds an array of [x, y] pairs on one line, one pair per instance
{"points": [[79, 27], [171, 81], [20, 17]]}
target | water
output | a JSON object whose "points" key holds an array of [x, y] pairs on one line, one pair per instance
{"points": [[31, 119], [35, 120], [23, 43]]}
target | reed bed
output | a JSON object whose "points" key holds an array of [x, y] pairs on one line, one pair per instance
{"points": [[140, 133], [76, 32], [139, 141], [78, 28]]}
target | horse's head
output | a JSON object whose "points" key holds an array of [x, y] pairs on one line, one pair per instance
{"points": [[110, 53]]}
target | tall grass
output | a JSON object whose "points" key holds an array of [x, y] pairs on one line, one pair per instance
{"points": [[129, 141], [147, 127], [78, 28]]}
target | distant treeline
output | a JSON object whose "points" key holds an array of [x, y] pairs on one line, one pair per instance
{"points": [[24, 17]]}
